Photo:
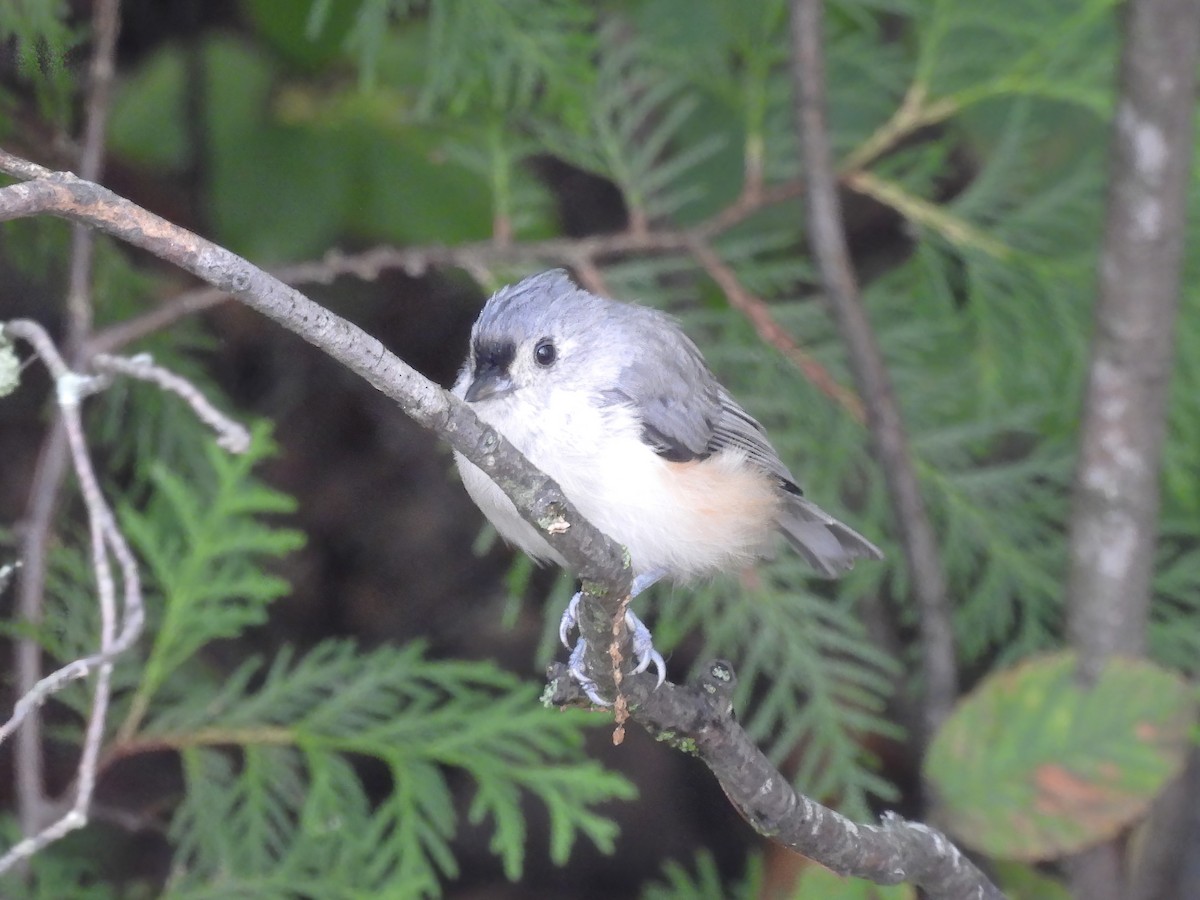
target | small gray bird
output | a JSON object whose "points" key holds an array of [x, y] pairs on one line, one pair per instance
{"points": [[616, 404]]}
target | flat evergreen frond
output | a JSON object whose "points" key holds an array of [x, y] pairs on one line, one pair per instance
{"points": [[203, 545], [974, 49], [720, 44], [507, 55], [268, 829], [865, 15], [762, 253], [998, 490], [368, 38], [1039, 186], [41, 33], [1027, 337], [633, 131], [1173, 637], [501, 158], [297, 723], [666, 280], [866, 78], [187, 701], [702, 881], [989, 392], [42, 36], [781, 149]]}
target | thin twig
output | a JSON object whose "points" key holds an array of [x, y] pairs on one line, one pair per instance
{"points": [[890, 444], [231, 435], [477, 258], [106, 23], [106, 540], [28, 752], [28, 762]]}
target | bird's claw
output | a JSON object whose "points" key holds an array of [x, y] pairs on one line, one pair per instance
{"points": [[643, 648], [643, 651], [570, 618], [575, 667]]}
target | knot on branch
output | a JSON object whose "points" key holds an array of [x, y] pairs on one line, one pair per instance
{"points": [[718, 681]]}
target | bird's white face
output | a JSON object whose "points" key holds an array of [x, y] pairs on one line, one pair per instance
{"points": [[532, 362]]}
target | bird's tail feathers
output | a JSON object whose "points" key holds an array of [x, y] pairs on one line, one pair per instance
{"points": [[826, 544]]}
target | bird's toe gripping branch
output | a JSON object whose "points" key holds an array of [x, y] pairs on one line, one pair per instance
{"points": [[643, 643]]}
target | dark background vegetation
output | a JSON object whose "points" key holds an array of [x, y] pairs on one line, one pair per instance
{"points": [[972, 146]]}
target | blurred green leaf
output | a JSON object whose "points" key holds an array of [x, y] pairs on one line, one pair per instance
{"points": [[297, 33], [406, 189], [146, 125], [1030, 766]]}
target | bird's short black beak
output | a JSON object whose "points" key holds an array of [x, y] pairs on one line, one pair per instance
{"points": [[490, 382]]}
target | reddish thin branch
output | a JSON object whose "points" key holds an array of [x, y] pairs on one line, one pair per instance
{"points": [[106, 24], [771, 332], [889, 442], [28, 768], [584, 254]]}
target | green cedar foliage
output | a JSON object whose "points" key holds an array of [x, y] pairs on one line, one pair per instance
{"points": [[292, 812], [273, 803], [703, 881], [42, 38]]}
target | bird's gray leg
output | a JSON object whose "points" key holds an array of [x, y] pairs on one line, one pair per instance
{"points": [[575, 667], [643, 643], [570, 616]]}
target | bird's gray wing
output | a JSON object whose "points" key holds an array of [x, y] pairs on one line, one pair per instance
{"points": [[669, 387], [737, 428], [685, 412]]}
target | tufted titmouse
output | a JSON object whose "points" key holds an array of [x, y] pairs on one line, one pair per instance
{"points": [[616, 404]]}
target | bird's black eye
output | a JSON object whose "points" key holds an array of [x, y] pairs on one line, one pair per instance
{"points": [[544, 353]]}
